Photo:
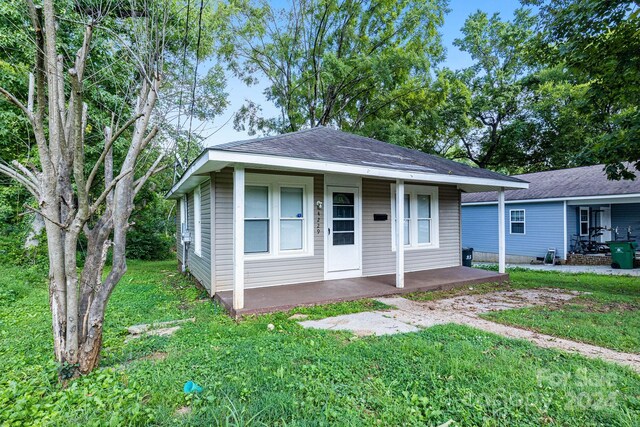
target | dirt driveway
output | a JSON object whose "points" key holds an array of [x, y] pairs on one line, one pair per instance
{"points": [[411, 316]]}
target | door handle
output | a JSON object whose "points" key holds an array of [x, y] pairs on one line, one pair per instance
{"points": [[329, 231]]}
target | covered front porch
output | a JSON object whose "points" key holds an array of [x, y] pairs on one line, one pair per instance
{"points": [[285, 297]]}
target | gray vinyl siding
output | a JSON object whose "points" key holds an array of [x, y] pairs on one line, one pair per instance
{"points": [[377, 255], [198, 265], [266, 272]]}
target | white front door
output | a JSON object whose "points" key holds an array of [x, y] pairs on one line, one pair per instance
{"points": [[343, 235], [605, 221]]}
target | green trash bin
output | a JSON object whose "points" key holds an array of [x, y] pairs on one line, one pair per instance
{"points": [[622, 254]]}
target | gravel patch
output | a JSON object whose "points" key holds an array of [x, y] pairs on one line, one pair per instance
{"points": [[410, 316]]}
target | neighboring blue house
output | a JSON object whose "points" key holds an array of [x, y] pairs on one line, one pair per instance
{"points": [[558, 208]]}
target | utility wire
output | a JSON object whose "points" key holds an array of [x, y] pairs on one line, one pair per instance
{"points": [[195, 78], [185, 44]]}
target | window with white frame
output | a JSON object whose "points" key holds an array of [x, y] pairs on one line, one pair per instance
{"points": [[278, 214], [420, 216], [197, 225], [517, 221], [584, 221], [183, 215]]}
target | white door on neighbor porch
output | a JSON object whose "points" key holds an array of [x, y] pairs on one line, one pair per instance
{"points": [[343, 239]]}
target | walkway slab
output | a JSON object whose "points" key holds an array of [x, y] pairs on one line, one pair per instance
{"points": [[573, 269], [409, 316]]}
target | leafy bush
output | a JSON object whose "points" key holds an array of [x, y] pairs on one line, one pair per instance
{"points": [[150, 237]]}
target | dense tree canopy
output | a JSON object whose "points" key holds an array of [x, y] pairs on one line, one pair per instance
{"points": [[343, 63], [599, 41]]}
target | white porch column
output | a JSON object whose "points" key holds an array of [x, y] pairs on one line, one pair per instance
{"points": [[399, 230], [502, 252], [238, 237]]}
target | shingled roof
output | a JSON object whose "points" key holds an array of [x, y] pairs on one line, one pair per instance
{"points": [[587, 181], [330, 145]]}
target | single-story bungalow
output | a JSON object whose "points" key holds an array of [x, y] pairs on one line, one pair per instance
{"points": [[320, 205], [568, 210]]}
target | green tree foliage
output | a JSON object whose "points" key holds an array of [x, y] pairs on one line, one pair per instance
{"points": [[356, 65], [494, 97], [110, 94], [510, 111], [599, 41]]}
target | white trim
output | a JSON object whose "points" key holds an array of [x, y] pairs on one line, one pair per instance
{"points": [[347, 182], [399, 231], [197, 221], [414, 191], [183, 212], [502, 246], [238, 237], [624, 198], [523, 222], [564, 228], [220, 159], [274, 183]]}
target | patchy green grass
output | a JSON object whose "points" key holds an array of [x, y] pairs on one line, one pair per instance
{"points": [[289, 376], [611, 325], [608, 314]]}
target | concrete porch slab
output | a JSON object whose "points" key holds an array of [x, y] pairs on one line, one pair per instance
{"points": [[285, 297]]}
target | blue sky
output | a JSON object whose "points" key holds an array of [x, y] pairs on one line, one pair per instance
{"points": [[460, 10]]}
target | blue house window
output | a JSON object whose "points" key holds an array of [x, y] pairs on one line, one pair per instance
{"points": [[517, 221]]}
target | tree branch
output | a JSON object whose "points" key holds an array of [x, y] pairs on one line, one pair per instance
{"points": [[32, 187], [11, 98], [107, 147], [154, 169], [51, 220], [107, 190]]}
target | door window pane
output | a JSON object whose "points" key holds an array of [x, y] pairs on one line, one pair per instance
{"points": [[340, 239], [343, 199], [343, 212], [291, 202], [256, 236], [290, 234], [343, 225], [256, 202]]}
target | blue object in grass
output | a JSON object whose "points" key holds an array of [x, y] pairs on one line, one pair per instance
{"points": [[191, 387]]}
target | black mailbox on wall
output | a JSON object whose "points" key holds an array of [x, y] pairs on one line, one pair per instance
{"points": [[380, 217]]}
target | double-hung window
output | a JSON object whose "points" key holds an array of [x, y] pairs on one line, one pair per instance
{"points": [[420, 225], [278, 213], [292, 218], [516, 221], [584, 221], [256, 219]]}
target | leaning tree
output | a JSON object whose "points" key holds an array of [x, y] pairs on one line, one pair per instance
{"points": [[84, 191]]}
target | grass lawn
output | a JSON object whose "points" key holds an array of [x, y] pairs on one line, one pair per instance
{"points": [[608, 314], [290, 376]]}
